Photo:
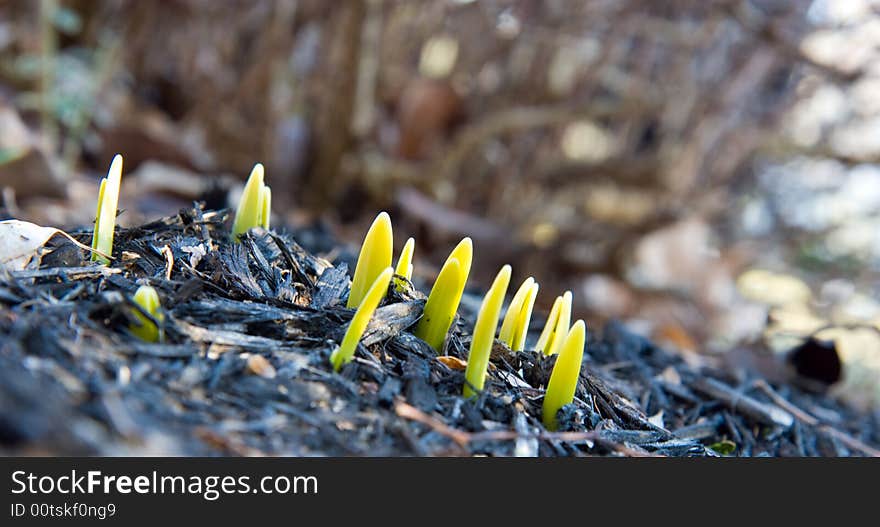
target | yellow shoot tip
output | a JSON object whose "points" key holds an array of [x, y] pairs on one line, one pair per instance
{"points": [[105, 217], [148, 299], [375, 256], [563, 324], [511, 318], [345, 352], [404, 264], [549, 327], [484, 334], [442, 304], [434, 325], [464, 253], [564, 378], [525, 318], [255, 204]]}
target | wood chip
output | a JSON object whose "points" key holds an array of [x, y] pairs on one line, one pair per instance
{"points": [[258, 365], [453, 363]]}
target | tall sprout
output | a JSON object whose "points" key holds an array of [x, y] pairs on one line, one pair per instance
{"points": [[345, 352], [105, 217], [484, 334]]}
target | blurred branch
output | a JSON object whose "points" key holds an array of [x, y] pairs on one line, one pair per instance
{"points": [[333, 117], [524, 118], [768, 30], [48, 54]]}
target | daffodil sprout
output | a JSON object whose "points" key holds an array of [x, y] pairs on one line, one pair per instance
{"points": [[255, 205], [557, 325], [445, 296], [148, 299], [519, 312], [345, 352], [563, 324], [374, 258], [105, 218], [484, 333], [525, 318], [564, 378], [404, 264], [549, 327], [441, 306]]}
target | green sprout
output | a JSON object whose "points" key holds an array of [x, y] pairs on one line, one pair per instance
{"points": [[255, 204], [404, 265], [442, 303], [105, 218], [519, 314], [557, 326], [484, 334], [563, 324], [375, 256], [148, 299], [564, 378], [549, 326], [345, 352], [525, 317]]}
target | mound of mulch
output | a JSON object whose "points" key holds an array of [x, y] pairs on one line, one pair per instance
{"points": [[244, 369]]}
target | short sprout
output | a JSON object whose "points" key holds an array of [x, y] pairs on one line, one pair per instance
{"points": [[441, 305], [445, 296], [564, 378], [375, 256], [404, 264], [147, 299], [255, 205]]}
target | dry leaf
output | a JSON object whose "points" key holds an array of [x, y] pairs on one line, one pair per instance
{"points": [[21, 241]]}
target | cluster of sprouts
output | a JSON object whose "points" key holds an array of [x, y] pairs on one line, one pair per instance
{"points": [[254, 210], [373, 276]]}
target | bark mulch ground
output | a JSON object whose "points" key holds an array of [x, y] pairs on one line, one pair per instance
{"points": [[244, 369]]}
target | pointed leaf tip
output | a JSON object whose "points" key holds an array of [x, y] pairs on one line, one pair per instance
{"points": [[375, 255], [254, 205]]}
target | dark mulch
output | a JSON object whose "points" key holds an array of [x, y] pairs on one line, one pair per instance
{"points": [[74, 381]]}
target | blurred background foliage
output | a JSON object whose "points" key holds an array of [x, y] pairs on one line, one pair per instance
{"points": [[707, 171]]}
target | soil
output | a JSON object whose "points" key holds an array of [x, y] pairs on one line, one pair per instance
{"points": [[244, 369]]}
